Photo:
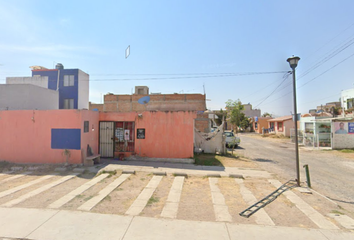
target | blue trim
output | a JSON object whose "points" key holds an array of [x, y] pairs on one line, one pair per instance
{"points": [[71, 92], [66, 139]]}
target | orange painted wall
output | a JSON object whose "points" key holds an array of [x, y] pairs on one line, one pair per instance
{"points": [[26, 134], [167, 134], [262, 123]]}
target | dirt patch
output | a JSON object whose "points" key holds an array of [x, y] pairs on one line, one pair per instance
{"points": [[233, 199], [119, 201], [196, 203], [88, 194], [53, 194], [323, 206], [17, 182], [158, 199], [338, 153], [28, 189], [281, 211], [226, 161], [240, 162]]}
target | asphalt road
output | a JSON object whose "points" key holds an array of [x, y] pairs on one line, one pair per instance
{"points": [[331, 175]]}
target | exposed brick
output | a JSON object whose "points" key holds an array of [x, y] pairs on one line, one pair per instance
{"points": [[96, 106], [124, 106], [199, 97], [110, 107], [110, 98], [159, 97], [124, 98], [174, 97]]}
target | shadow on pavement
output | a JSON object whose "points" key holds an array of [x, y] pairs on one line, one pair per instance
{"points": [[202, 162], [263, 160]]}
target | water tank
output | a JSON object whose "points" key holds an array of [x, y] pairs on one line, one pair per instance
{"points": [[59, 66]]}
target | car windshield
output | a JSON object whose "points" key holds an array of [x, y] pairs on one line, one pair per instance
{"points": [[229, 134]]}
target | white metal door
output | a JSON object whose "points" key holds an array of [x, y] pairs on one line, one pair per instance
{"points": [[106, 139]]}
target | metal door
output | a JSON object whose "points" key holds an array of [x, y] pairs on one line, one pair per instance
{"points": [[106, 139]]}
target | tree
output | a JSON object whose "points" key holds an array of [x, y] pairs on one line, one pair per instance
{"points": [[266, 114], [221, 114], [235, 114]]}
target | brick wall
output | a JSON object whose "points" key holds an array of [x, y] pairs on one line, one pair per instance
{"points": [[95, 106], [160, 102], [202, 122]]}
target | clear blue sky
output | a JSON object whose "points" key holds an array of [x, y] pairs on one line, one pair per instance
{"points": [[180, 38]]}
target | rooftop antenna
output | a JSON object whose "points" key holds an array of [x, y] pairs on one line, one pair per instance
{"points": [[204, 88]]}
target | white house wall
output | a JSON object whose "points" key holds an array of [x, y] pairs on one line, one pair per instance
{"points": [[35, 80], [83, 94], [340, 141], [27, 97]]}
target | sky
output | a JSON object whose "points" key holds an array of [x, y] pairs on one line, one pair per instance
{"points": [[227, 49]]}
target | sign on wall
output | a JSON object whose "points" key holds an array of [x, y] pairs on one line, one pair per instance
{"points": [[341, 128], [351, 127], [140, 133], [126, 134], [66, 139]]}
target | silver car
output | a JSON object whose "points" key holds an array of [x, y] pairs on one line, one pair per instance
{"points": [[231, 140]]}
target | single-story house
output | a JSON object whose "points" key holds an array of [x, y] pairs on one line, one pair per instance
{"points": [[259, 123], [59, 136], [281, 125]]}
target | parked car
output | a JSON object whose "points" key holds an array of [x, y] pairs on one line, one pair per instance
{"points": [[231, 140]]}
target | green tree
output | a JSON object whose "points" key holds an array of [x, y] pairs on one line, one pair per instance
{"points": [[221, 114], [266, 114], [235, 114]]}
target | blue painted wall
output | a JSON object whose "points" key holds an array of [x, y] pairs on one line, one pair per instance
{"points": [[66, 139], [52, 78], [64, 92]]}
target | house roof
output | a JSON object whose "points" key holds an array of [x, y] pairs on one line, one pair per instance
{"points": [[281, 119]]}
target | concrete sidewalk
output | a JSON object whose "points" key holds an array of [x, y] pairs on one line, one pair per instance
{"points": [[50, 224], [172, 168]]}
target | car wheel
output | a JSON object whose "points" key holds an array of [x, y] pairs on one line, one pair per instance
{"points": [[236, 145]]}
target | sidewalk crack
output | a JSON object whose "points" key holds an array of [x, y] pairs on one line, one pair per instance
{"points": [[43, 223], [128, 228]]}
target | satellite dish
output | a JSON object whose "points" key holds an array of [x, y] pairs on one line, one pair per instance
{"points": [[144, 100], [95, 109]]}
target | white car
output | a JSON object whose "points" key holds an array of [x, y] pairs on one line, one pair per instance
{"points": [[231, 140]]}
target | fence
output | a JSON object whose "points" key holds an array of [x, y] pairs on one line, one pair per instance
{"points": [[311, 140]]}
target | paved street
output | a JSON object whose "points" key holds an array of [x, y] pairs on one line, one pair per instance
{"points": [[330, 175]]}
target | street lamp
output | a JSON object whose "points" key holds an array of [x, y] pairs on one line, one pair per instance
{"points": [[293, 64]]}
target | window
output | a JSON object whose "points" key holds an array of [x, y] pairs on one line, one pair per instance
{"points": [[255, 125], [69, 103], [271, 125], [68, 80], [350, 103], [280, 126], [86, 126], [308, 127], [124, 137]]}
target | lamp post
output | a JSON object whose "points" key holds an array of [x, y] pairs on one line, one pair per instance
{"points": [[293, 64]]}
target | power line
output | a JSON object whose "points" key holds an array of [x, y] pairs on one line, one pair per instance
{"points": [[328, 57], [285, 78], [312, 78]]}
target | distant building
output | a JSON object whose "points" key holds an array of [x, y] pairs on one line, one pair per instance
{"points": [[249, 112], [347, 100], [72, 85], [328, 107], [156, 102]]}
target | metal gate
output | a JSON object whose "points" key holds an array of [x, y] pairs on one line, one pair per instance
{"points": [[106, 139]]}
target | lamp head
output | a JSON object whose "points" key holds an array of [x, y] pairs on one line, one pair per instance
{"points": [[293, 61]]}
